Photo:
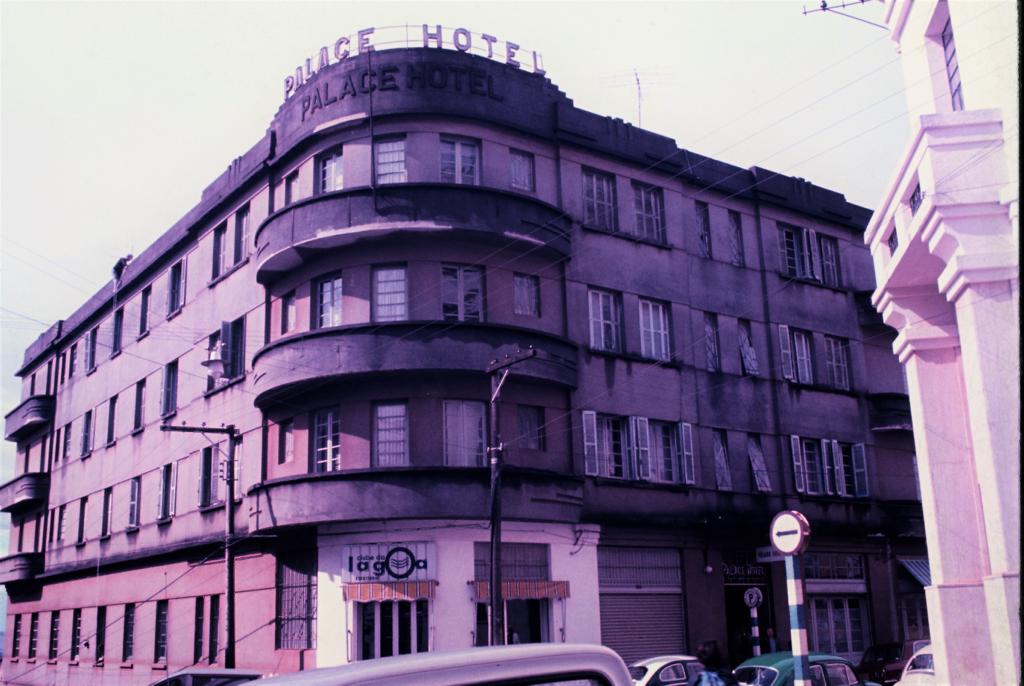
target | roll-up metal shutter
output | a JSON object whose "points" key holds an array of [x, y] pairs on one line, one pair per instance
{"points": [[641, 625]]}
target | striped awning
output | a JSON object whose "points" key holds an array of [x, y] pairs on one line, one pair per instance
{"points": [[521, 590], [369, 591], [918, 568]]}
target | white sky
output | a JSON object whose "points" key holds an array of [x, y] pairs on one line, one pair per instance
{"points": [[115, 116]]}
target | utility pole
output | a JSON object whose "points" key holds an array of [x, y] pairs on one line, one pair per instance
{"points": [[229, 532], [494, 453]]}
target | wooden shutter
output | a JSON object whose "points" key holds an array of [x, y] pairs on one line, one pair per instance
{"points": [[860, 470], [802, 356], [723, 471], [786, 352], [757, 465], [641, 442], [174, 489], [813, 258], [686, 440], [799, 472], [828, 458], [783, 256], [590, 442], [837, 455]]}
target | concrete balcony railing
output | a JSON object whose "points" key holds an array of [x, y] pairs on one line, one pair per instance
{"points": [[24, 491], [324, 222], [20, 567], [33, 413], [414, 493], [889, 412], [317, 356]]}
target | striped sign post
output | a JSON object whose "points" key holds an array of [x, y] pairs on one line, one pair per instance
{"points": [[789, 534], [752, 597]]}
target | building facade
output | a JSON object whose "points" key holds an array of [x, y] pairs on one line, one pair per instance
{"points": [[706, 356], [945, 242]]}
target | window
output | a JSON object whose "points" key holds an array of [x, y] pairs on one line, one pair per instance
{"points": [[836, 365], [748, 354], [66, 449], [389, 294], [214, 627], [712, 358], [605, 320], [795, 350], [16, 636], [241, 234], [531, 427], [829, 249], [160, 633], [54, 634], [799, 253], [220, 236], [139, 418], [134, 502], [829, 467], [397, 627], [147, 294], [101, 633], [169, 397], [116, 335], [326, 441], [522, 171], [288, 312], [703, 215], [526, 294], [736, 237], [82, 506], [464, 433], [296, 600], [76, 634], [649, 206], [90, 349], [197, 636], [87, 434], [106, 516], [291, 188], [654, 339], [128, 638], [893, 241], [229, 345], [665, 453], [61, 522], [111, 420], [758, 467], [390, 435], [72, 356], [723, 470], [952, 67], [390, 160], [838, 625], [635, 447], [329, 302], [606, 445], [168, 488], [331, 172], [176, 288], [33, 635], [599, 206], [461, 293], [285, 441], [460, 162], [209, 476]]}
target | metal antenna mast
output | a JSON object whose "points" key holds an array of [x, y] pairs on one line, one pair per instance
{"points": [[834, 9], [639, 100]]}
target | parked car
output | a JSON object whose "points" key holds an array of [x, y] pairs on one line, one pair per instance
{"points": [[665, 670], [209, 676], [884, 662], [776, 669], [550, 664], [920, 669]]}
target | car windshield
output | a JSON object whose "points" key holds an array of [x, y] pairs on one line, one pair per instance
{"points": [[756, 676], [636, 672], [924, 661]]}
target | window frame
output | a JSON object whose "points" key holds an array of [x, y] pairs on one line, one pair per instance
{"points": [[532, 435], [160, 642], [526, 294], [145, 296], [168, 491], [655, 342], [128, 634], [600, 212], [712, 343], [606, 333], [460, 454], [837, 362], [649, 211], [169, 390], [240, 249], [175, 288], [219, 262], [289, 312], [396, 175], [139, 414], [331, 160], [134, 503], [378, 295], [459, 147], [739, 257], [334, 316], [117, 332], [530, 186], [702, 217], [331, 441], [403, 460], [462, 292]]}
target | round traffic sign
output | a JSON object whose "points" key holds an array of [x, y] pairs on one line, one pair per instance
{"points": [[789, 532], [752, 597]]}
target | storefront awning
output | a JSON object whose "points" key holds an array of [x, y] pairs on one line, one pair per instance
{"points": [[521, 590], [918, 568], [370, 591]]}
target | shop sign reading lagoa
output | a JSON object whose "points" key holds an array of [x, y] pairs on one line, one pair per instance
{"points": [[437, 36], [387, 562]]}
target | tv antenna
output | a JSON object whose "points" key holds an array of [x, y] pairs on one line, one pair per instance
{"points": [[835, 7], [639, 100]]}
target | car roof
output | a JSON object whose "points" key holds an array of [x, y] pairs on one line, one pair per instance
{"points": [[469, 666], [663, 659], [216, 671], [775, 659]]}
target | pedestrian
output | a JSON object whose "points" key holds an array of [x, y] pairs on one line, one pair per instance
{"points": [[715, 673], [773, 645]]}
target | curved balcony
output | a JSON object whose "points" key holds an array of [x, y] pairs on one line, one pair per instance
{"points": [[24, 491], [414, 493], [20, 567], [317, 356], [33, 413], [325, 222]]}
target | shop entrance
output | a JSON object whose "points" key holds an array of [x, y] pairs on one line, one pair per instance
{"points": [[740, 572]]}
